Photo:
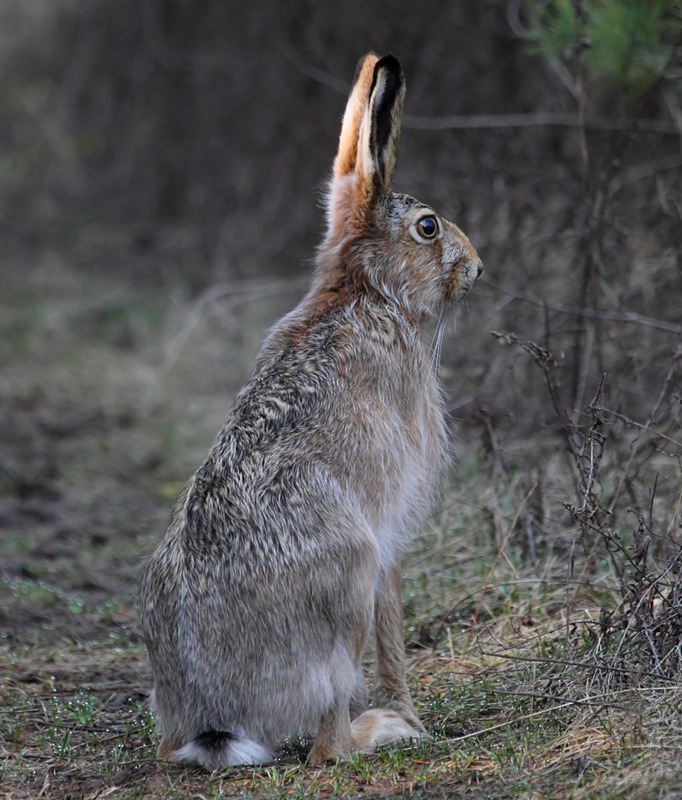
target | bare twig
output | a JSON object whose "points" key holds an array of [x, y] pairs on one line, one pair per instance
{"points": [[643, 426], [587, 701], [319, 75], [540, 119], [591, 666], [238, 292], [625, 316], [502, 548], [647, 426]]}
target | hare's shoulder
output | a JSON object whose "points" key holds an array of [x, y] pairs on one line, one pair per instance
{"points": [[339, 333]]}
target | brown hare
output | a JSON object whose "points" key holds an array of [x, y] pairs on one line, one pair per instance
{"points": [[283, 551]]}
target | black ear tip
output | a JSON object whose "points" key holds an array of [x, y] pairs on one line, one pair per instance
{"points": [[391, 64]]}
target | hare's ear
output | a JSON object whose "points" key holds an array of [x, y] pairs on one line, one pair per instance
{"points": [[368, 147], [346, 158], [380, 128]]}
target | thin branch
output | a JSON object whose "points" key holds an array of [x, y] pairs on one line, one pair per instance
{"points": [[625, 316], [588, 701], [647, 170], [641, 426], [652, 416], [538, 119], [319, 75], [567, 662], [502, 548], [237, 293]]}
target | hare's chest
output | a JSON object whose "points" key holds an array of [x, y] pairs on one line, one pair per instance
{"points": [[417, 467]]}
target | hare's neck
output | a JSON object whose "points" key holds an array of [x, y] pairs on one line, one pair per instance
{"points": [[341, 278]]}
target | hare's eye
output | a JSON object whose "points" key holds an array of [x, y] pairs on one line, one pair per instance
{"points": [[427, 227]]}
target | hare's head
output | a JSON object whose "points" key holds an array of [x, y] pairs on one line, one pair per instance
{"points": [[397, 245]]}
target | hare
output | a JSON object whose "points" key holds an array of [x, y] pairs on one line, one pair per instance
{"points": [[283, 551]]}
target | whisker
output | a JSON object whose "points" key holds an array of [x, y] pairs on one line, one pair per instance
{"points": [[437, 341]]}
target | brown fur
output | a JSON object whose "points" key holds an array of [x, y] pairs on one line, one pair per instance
{"points": [[346, 158]]}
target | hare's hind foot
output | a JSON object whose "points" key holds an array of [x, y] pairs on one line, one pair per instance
{"points": [[379, 727], [375, 728], [400, 702], [216, 750]]}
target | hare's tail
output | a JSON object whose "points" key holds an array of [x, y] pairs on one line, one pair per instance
{"points": [[219, 749]]}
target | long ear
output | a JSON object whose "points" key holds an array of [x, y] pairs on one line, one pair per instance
{"points": [[380, 128], [346, 158], [368, 147]]}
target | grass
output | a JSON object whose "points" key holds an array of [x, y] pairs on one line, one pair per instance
{"points": [[514, 718]]}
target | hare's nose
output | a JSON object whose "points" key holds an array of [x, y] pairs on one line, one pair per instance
{"points": [[480, 270]]}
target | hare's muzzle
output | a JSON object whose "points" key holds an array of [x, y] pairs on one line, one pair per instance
{"points": [[463, 276], [472, 269]]}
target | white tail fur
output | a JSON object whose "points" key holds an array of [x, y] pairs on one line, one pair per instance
{"points": [[223, 753]]}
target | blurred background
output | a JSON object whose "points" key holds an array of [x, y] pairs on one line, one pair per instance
{"points": [[162, 174]]}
